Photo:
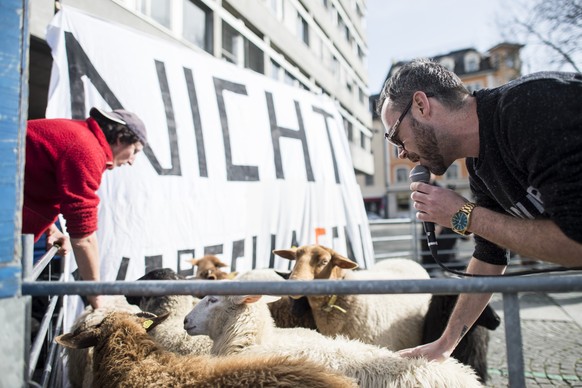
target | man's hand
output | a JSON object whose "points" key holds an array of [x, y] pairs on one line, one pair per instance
{"points": [[55, 236], [98, 301], [432, 351]]}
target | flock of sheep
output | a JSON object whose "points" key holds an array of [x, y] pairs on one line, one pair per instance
{"points": [[265, 341]]}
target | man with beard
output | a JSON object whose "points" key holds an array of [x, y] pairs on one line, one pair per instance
{"points": [[523, 148]]}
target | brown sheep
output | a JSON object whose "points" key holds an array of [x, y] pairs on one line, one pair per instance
{"points": [[209, 268], [391, 320], [125, 355]]}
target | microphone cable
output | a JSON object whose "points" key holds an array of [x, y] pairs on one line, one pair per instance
{"points": [[434, 253]]}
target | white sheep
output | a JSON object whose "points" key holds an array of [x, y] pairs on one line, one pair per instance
{"points": [[287, 311], [243, 325], [170, 333], [126, 356], [391, 320]]}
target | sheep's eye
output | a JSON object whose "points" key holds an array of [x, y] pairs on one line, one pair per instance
{"points": [[323, 262], [212, 299]]}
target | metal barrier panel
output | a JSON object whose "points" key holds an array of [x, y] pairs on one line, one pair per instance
{"points": [[510, 287], [13, 111]]}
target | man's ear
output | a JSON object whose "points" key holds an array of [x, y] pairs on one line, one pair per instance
{"points": [[421, 103]]}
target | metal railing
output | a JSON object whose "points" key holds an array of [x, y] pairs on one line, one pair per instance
{"points": [[510, 287], [49, 326]]}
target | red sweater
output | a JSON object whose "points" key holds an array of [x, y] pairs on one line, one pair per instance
{"points": [[65, 160]]}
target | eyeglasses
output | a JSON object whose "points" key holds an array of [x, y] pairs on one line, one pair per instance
{"points": [[391, 134]]}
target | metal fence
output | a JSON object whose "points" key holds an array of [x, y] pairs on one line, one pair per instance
{"points": [[510, 287]]}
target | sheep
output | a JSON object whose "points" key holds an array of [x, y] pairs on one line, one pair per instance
{"points": [[209, 268], [391, 320], [243, 325], [472, 349], [126, 356], [79, 360], [170, 334], [287, 312]]}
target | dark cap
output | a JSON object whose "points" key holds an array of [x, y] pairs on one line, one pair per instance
{"points": [[121, 116]]}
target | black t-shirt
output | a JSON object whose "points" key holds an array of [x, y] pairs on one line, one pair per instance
{"points": [[530, 154]]}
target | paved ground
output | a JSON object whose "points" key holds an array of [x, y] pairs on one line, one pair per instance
{"points": [[551, 327]]}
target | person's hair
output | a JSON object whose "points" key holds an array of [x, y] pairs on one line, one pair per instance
{"points": [[422, 75], [114, 131]]}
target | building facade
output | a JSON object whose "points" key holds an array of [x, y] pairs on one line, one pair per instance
{"points": [[386, 192], [316, 45]]}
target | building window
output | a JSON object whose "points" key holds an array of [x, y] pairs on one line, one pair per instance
{"points": [[349, 87], [495, 61], [254, 57], [289, 79], [448, 63], [240, 51], [159, 10], [275, 70], [401, 175], [302, 29], [232, 48], [197, 25], [277, 8], [340, 23], [452, 172], [362, 140], [350, 129], [394, 150], [402, 202], [334, 65], [510, 61], [471, 62], [369, 180]]}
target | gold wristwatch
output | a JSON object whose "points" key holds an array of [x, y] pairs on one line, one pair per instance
{"points": [[461, 219]]}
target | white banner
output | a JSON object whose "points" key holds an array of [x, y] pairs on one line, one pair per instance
{"points": [[237, 164]]}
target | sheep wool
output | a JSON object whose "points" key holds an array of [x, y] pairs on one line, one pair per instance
{"points": [[394, 321], [243, 325], [125, 356]]}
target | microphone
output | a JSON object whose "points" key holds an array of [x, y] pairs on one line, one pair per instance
{"points": [[422, 174]]}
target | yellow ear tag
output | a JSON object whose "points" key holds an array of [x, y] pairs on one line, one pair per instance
{"points": [[146, 324]]}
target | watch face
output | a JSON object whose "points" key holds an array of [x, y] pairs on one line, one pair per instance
{"points": [[459, 221]]}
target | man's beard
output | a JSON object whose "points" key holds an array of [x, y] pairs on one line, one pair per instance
{"points": [[428, 147]]}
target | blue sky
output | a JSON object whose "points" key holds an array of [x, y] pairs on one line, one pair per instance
{"points": [[405, 29]]}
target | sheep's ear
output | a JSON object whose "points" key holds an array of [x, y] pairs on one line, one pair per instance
{"points": [[82, 340], [246, 299], [342, 262], [271, 298], [289, 254], [284, 275], [217, 263], [149, 322], [195, 262], [231, 275]]}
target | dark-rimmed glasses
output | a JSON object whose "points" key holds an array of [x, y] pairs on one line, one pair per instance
{"points": [[391, 134]]}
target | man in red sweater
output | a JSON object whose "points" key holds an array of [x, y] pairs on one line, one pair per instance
{"points": [[65, 160]]}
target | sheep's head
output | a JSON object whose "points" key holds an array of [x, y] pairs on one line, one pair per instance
{"points": [[209, 268], [209, 315], [86, 336], [316, 262], [155, 274]]}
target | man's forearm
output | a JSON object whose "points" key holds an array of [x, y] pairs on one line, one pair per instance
{"points": [[86, 252], [469, 306], [536, 239]]}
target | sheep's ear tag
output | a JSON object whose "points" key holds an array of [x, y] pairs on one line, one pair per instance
{"points": [[147, 323]]}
